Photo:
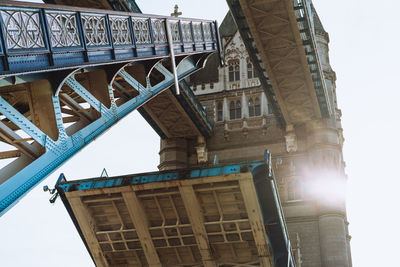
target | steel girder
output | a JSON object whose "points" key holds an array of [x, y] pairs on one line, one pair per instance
{"points": [[279, 36], [79, 114]]}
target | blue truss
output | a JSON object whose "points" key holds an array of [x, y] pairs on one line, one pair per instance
{"points": [[57, 152]]}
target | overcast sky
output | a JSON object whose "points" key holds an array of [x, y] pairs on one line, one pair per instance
{"points": [[364, 52]]}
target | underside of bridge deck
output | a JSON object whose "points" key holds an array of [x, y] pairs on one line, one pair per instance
{"points": [[222, 216], [279, 36]]}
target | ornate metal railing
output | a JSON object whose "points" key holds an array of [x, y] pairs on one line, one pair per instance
{"points": [[42, 37]]}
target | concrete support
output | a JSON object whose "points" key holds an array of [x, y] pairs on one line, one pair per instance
{"points": [[173, 154]]}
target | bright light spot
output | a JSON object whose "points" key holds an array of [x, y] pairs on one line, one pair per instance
{"points": [[327, 187]]}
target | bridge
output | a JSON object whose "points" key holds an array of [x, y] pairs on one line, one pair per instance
{"points": [[68, 74]]}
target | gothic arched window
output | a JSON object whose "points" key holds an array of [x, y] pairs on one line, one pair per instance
{"points": [[294, 191], [251, 72], [219, 112], [234, 70], [251, 107], [257, 107], [238, 110], [254, 107], [232, 110], [235, 110]]}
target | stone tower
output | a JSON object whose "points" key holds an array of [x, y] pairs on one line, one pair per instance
{"points": [[308, 160]]}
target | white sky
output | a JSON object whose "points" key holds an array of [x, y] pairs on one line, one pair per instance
{"points": [[365, 55]]}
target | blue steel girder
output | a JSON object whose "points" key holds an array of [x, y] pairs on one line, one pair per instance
{"points": [[40, 38], [91, 116]]}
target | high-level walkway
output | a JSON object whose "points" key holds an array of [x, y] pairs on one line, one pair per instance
{"points": [[68, 74], [280, 39]]}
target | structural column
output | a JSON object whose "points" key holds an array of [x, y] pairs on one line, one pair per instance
{"points": [[173, 154], [328, 185]]}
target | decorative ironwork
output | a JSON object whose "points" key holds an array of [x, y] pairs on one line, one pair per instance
{"points": [[142, 32], [120, 30], [186, 32], [176, 37], [23, 29], [159, 31], [33, 37], [63, 29], [207, 31], [198, 36], [95, 30]]}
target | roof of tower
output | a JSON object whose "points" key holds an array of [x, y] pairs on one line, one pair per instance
{"points": [[319, 28], [228, 26]]}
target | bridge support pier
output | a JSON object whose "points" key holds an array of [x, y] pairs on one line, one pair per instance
{"points": [[173, 154]]}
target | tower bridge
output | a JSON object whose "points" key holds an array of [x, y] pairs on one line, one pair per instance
{"points": [[68, 74]]}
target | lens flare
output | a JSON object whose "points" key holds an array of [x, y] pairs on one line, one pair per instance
{"points": [[326, 186]]}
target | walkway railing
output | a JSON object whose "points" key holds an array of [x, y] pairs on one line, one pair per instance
{"points": [[39, 37]]}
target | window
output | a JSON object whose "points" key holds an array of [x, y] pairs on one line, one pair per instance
{"points": [[235, 110], [238, 110], [251, 107], [257, 107], [234, 70], [219, 112], [232, 110], [294, 191], [251, 72], [254, 107]]}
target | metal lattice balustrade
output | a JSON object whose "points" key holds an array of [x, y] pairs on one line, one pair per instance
{"points": [[39, 37]]}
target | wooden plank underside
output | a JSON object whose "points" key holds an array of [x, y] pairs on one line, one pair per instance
{"points": [[208, 221]]}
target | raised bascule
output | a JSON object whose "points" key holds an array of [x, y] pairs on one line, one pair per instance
{"points": [[217, 97]]}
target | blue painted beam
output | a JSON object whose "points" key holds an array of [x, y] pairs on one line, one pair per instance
{"points": [[164, 176]]}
